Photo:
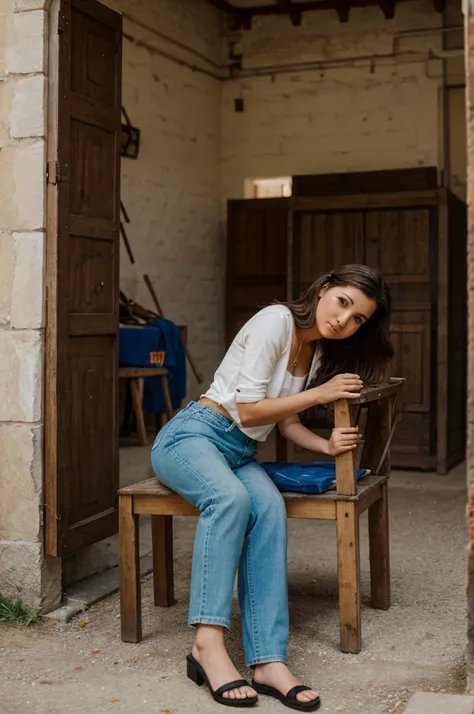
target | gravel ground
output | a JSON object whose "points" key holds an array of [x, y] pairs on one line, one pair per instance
{"points": [[419, 644]]}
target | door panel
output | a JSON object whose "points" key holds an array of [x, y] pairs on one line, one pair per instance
{"points": [[324, 241], [257, 258], [83, 288]]}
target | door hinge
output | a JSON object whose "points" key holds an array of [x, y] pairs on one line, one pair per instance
{"points": [[55, 173]]}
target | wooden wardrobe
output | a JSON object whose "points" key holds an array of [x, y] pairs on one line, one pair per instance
{"points": [[417, 239]]}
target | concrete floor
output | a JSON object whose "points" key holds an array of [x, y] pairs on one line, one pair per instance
{"points": [[418, 645]]}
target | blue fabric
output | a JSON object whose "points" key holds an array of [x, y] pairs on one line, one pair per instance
{"points": [[315, 477], [135, 346]]}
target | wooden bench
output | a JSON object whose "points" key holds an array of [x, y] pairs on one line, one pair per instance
{"points": [[136, 376], [344, 505]]}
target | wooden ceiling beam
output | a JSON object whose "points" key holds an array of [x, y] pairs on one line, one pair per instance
{"points": [[293, 13], [295, 9], [343, 9], [388, 8]]}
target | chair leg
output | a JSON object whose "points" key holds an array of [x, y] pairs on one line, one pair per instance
{"points": [[162, 543], [129, 565], [348, 560], [136, 387], [379, 543]]}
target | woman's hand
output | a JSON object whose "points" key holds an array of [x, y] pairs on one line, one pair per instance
{"points": [[342, 440], [342, 386]]}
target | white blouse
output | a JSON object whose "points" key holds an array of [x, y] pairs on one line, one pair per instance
{"points": [[256, 366]]}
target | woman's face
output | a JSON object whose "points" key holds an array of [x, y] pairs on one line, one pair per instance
{"points": [[341, 310]]}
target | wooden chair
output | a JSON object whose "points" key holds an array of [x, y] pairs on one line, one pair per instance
{"points": [[344, 505], [137, 375]]}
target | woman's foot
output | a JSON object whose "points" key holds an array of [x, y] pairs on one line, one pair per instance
{"points": [[210, 652], [277, 675]]}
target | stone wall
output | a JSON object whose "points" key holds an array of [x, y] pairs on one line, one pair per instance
{"points": [[23, 63], [338, 113]]}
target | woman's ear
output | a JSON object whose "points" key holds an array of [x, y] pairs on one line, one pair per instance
{"points": [[323, 290]]}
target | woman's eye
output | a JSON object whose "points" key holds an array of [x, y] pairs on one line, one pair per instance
{"points": [[342, 301], [358, 320]]}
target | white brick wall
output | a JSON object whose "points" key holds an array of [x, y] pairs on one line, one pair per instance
{"points": [[337, 118], [172, 192]]}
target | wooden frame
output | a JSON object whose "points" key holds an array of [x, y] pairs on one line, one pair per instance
{"points": [[345, 506]]}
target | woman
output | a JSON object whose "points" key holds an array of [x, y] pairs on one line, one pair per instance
{"points": [[286, 359]]}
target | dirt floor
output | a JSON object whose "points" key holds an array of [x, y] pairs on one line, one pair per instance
{"points": [[83, 667]]}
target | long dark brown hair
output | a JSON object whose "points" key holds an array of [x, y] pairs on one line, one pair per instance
{"points": [[369, 351]]}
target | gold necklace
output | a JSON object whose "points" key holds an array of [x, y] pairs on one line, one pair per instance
{"points": [[298, 354]]}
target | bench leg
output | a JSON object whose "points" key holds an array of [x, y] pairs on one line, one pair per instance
{"points": [[129, 565], [163, 579], [136, 387], [379, 543], [348, 560]]}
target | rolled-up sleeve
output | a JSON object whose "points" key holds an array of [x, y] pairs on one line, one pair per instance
{"points": [[265, 340]]}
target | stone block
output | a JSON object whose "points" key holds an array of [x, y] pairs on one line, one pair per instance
{"points": [[20, 482], [22, 186], [432, 703], [27, 300], [21, 570], [27, 5], [6, 276], [21, 375], [27, 115], [6, 98], [26, 53]]}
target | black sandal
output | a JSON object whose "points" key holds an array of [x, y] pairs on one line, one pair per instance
{"points": [[289, 700], [197, 674]]}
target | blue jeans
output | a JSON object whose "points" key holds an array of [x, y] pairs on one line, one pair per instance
{"points": [[205, 458]]}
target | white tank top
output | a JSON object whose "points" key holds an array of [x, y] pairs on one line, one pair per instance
{"points": [[292, 385]]}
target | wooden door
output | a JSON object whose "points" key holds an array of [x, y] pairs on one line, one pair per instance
{"points": [[322, 242], [399, 244], [257, 258], [83, 273]]}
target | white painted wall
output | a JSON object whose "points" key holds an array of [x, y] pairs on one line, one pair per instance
{"points": [[367, 116], [172, 191]]}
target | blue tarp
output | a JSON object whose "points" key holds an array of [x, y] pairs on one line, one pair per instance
{"points": [[315, 477], [135, 346]]}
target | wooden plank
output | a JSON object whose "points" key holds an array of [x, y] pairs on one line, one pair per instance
{"points": [[51, 495], [379, 543], [170, 506], [129, 565], [345, 468], [348, 561], [134, 372], [442, 351], [308, 508], [358, 182], [136, 388], [404, 199], [167, 396], [163, 576], [372, 394]]}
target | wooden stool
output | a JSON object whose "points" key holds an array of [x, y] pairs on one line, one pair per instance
{"points": [[344, 505], [137, 375]]}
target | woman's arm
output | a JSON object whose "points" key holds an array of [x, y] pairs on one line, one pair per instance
{"points": [[293, 430], [270, 411], [341, 440]]}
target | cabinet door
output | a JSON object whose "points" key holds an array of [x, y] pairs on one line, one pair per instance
{"points": [[398, 243], [257, 258], [324, 241]]}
